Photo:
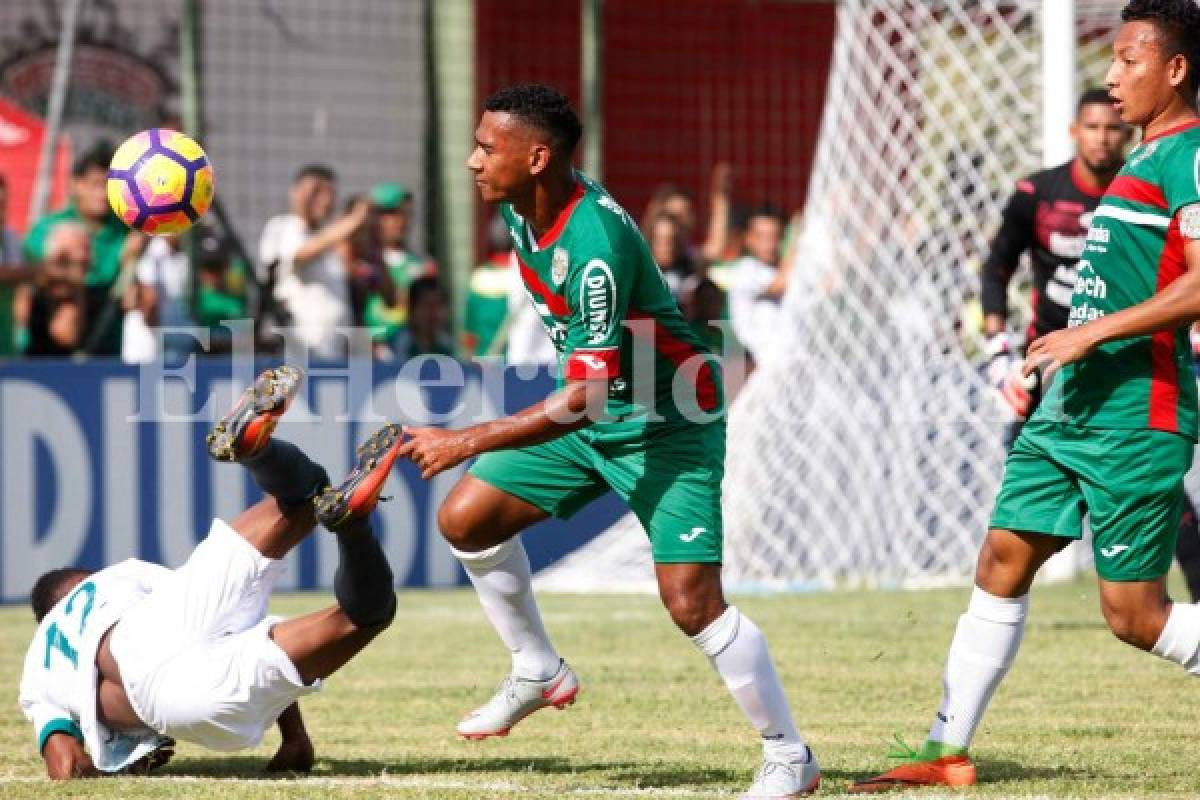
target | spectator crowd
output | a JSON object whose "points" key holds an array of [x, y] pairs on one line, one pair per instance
{"points": [[345, 279]]}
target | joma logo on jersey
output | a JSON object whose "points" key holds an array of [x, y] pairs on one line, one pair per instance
{"points": [[598, 295]]}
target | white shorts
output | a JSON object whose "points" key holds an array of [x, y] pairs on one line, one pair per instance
{"points": [[196, 655]]}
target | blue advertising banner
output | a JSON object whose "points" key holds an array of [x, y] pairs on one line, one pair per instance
{"points": [[101, 461]]}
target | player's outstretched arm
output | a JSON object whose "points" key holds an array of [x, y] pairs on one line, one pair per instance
{"points": [[575, 406], [1173, 307], [66, 758]]}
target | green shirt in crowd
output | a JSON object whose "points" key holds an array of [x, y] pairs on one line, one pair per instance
{"points": [[404, 267], [107, 241], [487, 303]]}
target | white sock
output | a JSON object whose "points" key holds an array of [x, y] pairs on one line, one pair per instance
{"points": [[983, 649], [1180, 637], [505, 587], [737, 650]]}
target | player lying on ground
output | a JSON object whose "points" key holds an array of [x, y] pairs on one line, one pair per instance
{"points": [[588, 273], [1114, 434], [129, 658]]}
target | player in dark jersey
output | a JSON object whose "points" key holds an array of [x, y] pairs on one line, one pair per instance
{"points": [[654, 436], [1114, 434], [1048, 216]]}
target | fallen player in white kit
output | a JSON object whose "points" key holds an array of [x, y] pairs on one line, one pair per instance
{"points": [[128, 659]]}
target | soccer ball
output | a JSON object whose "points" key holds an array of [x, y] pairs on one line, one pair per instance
{"points": [[160, 182]]}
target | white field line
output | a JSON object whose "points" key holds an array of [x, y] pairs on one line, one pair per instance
{"points": [[408, 782], [506, 787]]}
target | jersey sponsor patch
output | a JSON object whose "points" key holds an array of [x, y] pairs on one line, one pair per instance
{"points": [[1189, 221], [593, 364], [597, 300]]}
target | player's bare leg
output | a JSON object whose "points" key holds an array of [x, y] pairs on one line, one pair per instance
{"points": [[737, 649], [322, 642], [273, 530], [1136, 611], [983, 649], [298, 496], [481, 524]]}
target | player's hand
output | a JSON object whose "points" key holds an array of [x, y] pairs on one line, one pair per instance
{"points": [[67, 759], [156, 758], [293, 755], [1015, 389], [1055, 350], [435, 450], [1001, 351]]}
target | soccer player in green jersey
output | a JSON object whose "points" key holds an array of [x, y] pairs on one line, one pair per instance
{"points": [[1113, 436], [639, 410]]}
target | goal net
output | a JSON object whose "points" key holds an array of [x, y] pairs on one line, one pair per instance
{"points": [[867, 449]]}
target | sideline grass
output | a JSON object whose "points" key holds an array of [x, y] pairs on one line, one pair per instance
{"points": [[1080, 715]]}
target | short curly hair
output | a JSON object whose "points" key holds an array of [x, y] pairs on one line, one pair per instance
{"points": [[1179, 21], [542, 107], [52, 587]]}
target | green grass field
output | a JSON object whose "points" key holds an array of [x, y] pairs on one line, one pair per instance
{"points": [[1080, 716]]}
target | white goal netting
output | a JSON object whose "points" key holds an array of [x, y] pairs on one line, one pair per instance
{"points": [[868, 449]]}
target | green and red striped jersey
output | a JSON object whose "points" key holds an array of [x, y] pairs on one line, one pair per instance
{"points": [[611, 316], [1135, 250]]}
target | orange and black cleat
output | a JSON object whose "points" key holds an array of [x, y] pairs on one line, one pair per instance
{"points": [[955, 770], [245, 429], [358, 495]]}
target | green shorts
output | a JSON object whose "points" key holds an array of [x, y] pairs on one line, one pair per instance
{"points": [[671, 481], [1129, 481]]}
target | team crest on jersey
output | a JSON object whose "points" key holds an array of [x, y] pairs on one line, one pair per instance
{"points": [[558, 265]]}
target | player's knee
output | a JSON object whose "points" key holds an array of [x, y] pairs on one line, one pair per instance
{"points": [[1005, 567], [457, 523], [690, 611], [1137, 627], [1126, 628], [374, 618]]}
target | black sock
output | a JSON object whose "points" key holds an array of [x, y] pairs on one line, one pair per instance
{"points": [[363, 584], [283, 471]]}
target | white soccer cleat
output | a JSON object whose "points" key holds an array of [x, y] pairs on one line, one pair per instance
{"points": [[516, 699], [783, 780]]}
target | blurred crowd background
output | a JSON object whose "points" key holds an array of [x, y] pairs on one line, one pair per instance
{"points": [[338, 133]]}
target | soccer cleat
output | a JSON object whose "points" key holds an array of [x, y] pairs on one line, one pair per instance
{"points": [[244, 430], [951, 769], [358, 495], [516, 699], [784, 780]]}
